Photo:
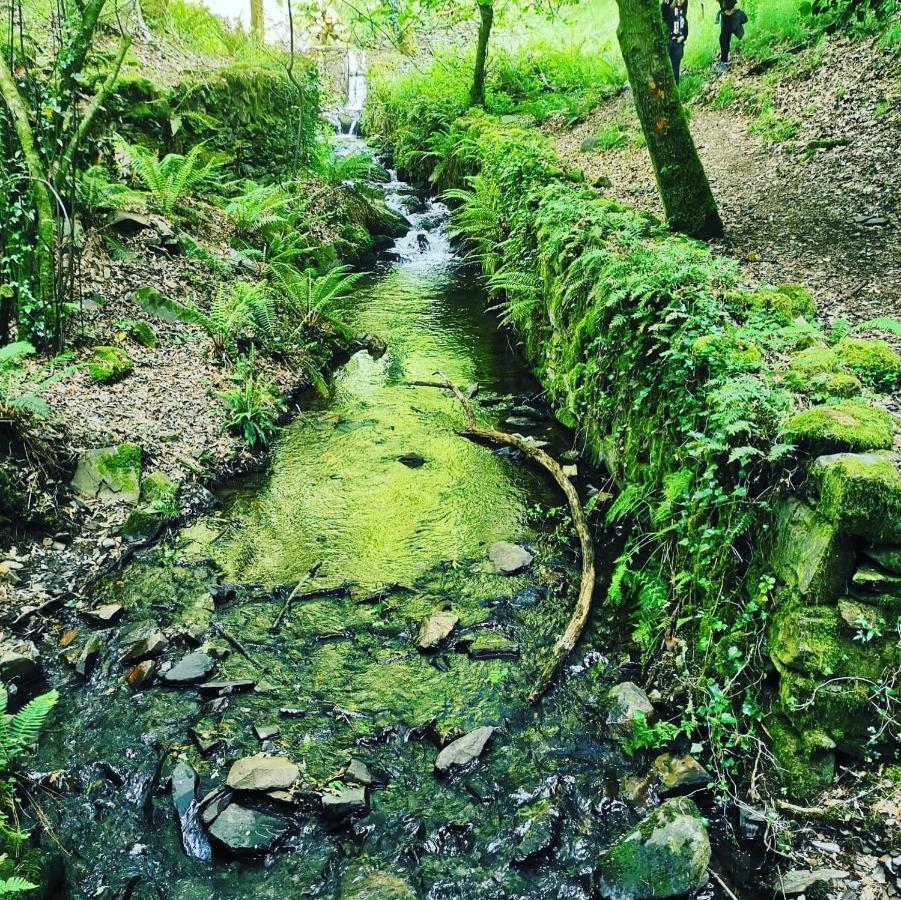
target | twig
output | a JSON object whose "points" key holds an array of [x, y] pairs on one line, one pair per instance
{"points": [[236, 644], [722, 884], [311, 573], [377, 596], [567, 641]]}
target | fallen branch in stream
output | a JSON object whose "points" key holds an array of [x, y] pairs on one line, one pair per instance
{"points": [[570, 636], [311, 573]]}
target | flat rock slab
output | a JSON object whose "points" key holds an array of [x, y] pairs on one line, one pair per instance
{"points": [[798, 881], [679, 772], [489, 644], [151, 646], [464, 750], [338, 803], [266, 732], [109, 473], [262, 773], [508, 559], [358, 773], [107, 614], [247, 832], [191, 669], [434, 628], [626, 701], [141, 674]]}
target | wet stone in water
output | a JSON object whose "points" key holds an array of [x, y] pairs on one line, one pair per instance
{"points": [[358, 773], [508, 559], [490, 644], [434, 628], [680, 772], [262, 773], [626, 700], [266, 732], [538, 831], [464, 750], [184, 788], [141, 674], [247, 832], [194, 667], [339, 803], [104, 615]]}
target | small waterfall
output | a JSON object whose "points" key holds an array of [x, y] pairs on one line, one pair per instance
{"points": [[356, 88]]}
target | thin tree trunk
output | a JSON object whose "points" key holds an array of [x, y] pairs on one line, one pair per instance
{"points": [[40, 189], [72, 58], [486, 15], [257, 19], [681, 181]]}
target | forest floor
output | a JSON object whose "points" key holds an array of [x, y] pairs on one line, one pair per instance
{"points": [[794, 211]]}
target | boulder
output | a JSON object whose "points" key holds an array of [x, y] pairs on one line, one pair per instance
{"points": [[665, 855], [341, 802], [537, 830], [262, 773], [191, 669], [886, 556], [247, 832], [435, 628], [843, 425], [108, 365], [861, 493], [680, 772], [212, 804], [626, 701], [266, 732], [508, 559], [464, 750], [358, 773], [360, 885], [109, 473]]}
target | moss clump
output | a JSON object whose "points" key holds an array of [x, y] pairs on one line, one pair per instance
{"points": [[727, 354], [140, 332], [806, 761], [861, 493], [817, 371], [158, 489], [121, 469], [841, 425], [142, 524], [877, 364], [787, 302], [109, 364]]}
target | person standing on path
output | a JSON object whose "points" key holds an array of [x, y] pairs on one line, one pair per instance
{"points": [[675, 14], [732, 21]]}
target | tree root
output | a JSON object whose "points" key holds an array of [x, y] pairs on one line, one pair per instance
{"points": [[570, 636]]}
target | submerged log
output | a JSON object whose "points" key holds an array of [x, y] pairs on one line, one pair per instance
{"points": [[573, 631]]}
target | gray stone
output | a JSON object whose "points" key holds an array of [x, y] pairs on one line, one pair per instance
{"points": [[20, 662], [107, 614], [266, 732], [626, 700], [191, 669], [247, 832], [90, 653], [680, 772], [225, 688], [358, 773], [109, 473], [147, 648], [508, 559], [464, 750], [262, 773], [665, 855], [184, 799], [537, 831], [184, 787], [339, 803], [887, 556], [434, 628], [797, 881], [213, 804]]}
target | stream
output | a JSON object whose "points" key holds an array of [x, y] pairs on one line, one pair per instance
{"points": [[373, 482]]}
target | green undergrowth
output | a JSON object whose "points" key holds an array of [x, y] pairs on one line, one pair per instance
{"points": [[672, 373]]}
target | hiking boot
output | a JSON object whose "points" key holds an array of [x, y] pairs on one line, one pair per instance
{"points": [[720, 67]]}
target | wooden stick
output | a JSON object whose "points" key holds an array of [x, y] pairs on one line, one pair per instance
{"points": [[235, 643], [568, 640], [311, 573]]}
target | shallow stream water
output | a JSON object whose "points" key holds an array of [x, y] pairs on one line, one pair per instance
{"points": [[373, 482]]}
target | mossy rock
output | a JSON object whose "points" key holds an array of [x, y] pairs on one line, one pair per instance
{"points": [[817, 371], [806, 761], [874, 361], [157, 488], [868, 581], [140, 332], [377, 885], [109, 473], [665, 855], [727, 353], [787, 302], [810, 554], [861, 493], [841, 425], [886, 556], [142, 524], [109, 364]]}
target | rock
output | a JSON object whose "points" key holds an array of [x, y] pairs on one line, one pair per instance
{"points": [[128, 223], [860, 617], [141, 674], [372, 344], [142, 524], [752, 823], [888, 557], [247, 832], [810, 554], [213, 804], [843, 425], [412, 460], [109, 473], [89, 655], [151, 646], [21, 663], [464, 750], [537, 831], [797, 881], [520, 422], [225, 688], [434, 628], [680, 772], [861, 493], [262, 773], [868, 580], [358, 773], [356, 885], [570, 471], [192, 668], [626, 700], [184, 799], [339, 803], [509, 558], [636, 789], [205, 740], [266, 732], [108, 365], [491, 644], [665, 855], [104, 615]]}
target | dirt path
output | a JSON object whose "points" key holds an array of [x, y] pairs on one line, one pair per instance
{"points": [[830, 218]]}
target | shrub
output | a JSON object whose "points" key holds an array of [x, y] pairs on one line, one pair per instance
{"points": [[252, 407]]}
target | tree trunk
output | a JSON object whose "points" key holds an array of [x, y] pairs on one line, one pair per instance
{"points": [[681, 181], [40, 192], [486, 14], [72, 58], [257, 20]]}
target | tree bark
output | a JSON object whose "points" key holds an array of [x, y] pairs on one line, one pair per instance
{"points": [[40, 190], [486, 16], [72, 58], [257, 20], [687, 199]]}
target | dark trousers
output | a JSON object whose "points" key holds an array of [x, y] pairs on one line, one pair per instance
{"points": [[725, 37], [676, 52]]}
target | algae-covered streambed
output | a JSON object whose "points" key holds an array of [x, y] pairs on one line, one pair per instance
{"points": [[374, 483]]}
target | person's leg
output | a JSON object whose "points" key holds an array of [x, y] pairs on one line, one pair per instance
{"points": [[676, 51], [725, 38]]}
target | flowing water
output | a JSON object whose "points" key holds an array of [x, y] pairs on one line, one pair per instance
{"points": [[373, 482]]}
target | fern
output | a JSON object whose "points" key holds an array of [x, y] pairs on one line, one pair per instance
{"points": [[311, 299], [20, 731], [15, 885], [262, 207], [627, 502], [19, 390], [882, 323]]}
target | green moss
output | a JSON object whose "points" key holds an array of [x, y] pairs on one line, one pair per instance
{"points": [[140, 332], [861, 493], [121, 468], [158, 488], [109, 364], [142, 524], [786, 302], [806, 762], [841, 425], [877, 364], [726, 353]]}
